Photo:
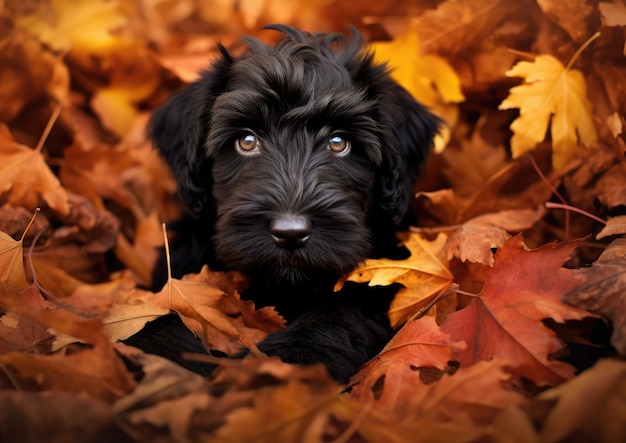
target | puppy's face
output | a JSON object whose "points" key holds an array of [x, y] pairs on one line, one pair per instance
{"points": [[299, 155], [295, 150]]}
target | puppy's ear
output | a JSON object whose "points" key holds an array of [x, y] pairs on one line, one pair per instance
{"points": [[179, 129], [408, 130]]}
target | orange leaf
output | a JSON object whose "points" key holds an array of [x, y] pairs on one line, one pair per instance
{"points": [[25, 177], [424, 276], [521, 289], [221, 319], [420, 343]]}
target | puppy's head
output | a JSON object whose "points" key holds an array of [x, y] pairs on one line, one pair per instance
{"points": [[304, 152]]}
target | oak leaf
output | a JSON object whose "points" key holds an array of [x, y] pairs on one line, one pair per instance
{"points": [[505, 321], [551, 91], [424, 275]]}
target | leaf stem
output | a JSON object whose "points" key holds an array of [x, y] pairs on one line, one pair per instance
{"points": [[30, 223], [581, 49], [554, 191], [46, 132], [551, 205]]}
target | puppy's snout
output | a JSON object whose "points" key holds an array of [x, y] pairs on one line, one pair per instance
{"points": [[290, 231]]}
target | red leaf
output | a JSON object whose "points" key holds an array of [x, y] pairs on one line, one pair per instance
{"points": [[505, 320]]}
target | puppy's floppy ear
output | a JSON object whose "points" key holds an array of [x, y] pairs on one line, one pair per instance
{"points": [[179, 129], [408, 130]]}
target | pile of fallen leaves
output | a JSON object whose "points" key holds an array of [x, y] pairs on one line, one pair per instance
{"points": [[502, 337]]}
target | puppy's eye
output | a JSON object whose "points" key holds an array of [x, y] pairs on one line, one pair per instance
{"points": [[339, 145], [248, 144]]}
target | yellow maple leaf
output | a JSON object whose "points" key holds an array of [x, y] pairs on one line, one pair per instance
{"points": [[429, 78], [72, 24], [424, 275], [551, 92]]}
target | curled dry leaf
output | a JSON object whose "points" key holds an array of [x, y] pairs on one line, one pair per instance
{"points": [[614, 226], [559, 415], [221, 319], [476, 238], [602, 289]]}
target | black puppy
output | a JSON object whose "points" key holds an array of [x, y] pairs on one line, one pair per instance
{"points": [[298, 161]]}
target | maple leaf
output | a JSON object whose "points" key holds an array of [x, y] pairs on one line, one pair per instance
{"points": [[74, 24], [505, 320], [429, 78], [552, 91], [25, 177], [221, 319], [423, 275], [420, 343]]}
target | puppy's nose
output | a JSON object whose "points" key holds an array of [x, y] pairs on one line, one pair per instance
{"points": [[290, 231]]}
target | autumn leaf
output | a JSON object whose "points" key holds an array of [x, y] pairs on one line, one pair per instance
{"points": [[429, 78], [95, 369], [602, 290], [12, 275], [505, 321], [570, 15], [551, 92], [424, 276], [74, 24], [221, 319], [25, 177], [476, 238], [419, 344], [559, 414]]}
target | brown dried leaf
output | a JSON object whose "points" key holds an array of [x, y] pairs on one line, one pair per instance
{"points": [[222, 320], [603, 291], [477, 237], [28, 73], [614, 226], [474, 163], [570, 15], [601, 417], [26, 178]]}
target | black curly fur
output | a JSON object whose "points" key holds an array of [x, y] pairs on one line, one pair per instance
{"points": [[294, 97]]}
